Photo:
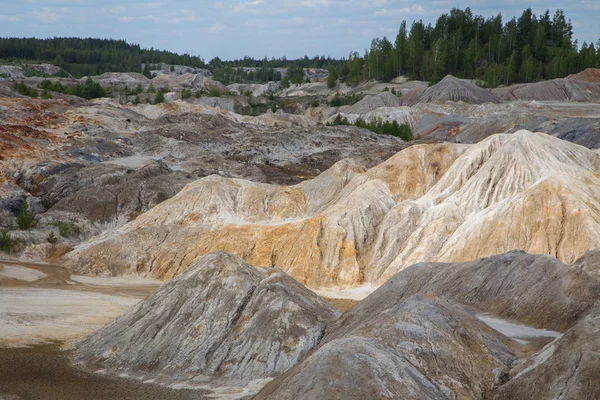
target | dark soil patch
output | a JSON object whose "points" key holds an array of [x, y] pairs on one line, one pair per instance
{"points": [[45, 373]]}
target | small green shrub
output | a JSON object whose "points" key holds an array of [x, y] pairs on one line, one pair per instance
{"points": [[67, 229], [6, 242], [392, 128], [339, 101], [52, 239], [214, 92], [160, 98], [26, 90], [186, 94]]}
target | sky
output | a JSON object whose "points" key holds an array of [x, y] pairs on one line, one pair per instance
{"points": [[232, 29]]}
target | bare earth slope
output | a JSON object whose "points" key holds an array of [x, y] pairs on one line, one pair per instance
{"points": [[416, 348], [221, 321], [446, 202], [454, 89], [411, 339], [567, 368], [537, 290]]}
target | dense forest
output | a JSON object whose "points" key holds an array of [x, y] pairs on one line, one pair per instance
{"points": [[527, 49], [86, 57]]}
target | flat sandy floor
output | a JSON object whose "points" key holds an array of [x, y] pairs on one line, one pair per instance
{"points": [[42, 310], [44, 373], [41, 303]]}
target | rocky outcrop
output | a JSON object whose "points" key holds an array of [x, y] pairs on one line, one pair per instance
{"points": [[187, 81], [129, 80], [410, 338], [172, 69], [254, 89], [216, 142], [565, 369], [445, 202], [222, 320], [416, 348]]}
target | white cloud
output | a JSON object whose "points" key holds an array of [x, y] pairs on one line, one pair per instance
{"points": [[315, 3], [591, 4], [9, 18], [48, 15], [247, 7], [126, 19], [396, 12], [216, 28]]}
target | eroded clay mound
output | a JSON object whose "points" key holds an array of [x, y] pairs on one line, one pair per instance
{"points": [[429, 203], [454, 89], [590, 263], [568, 368], [537, 290], [581, 90], [416, 348], [588, 75], [222, 319]]}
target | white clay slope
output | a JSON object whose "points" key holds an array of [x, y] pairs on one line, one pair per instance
{"points": [[348, 227]]}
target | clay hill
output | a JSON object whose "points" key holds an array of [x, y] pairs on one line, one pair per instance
{"points": [[222, 319], [453, 89], [581, 87], [224, 323], [351, 225]]}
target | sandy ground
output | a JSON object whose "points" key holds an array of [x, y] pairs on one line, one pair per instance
{"points": [[42, 310], [43, 303], [114, 281], [44, 372], [32, 315], [21, 273]]}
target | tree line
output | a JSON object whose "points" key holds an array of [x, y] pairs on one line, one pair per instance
{"points": [[525, 49], [87, 57]]}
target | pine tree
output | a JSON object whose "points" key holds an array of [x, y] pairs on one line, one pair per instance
{"points": [[25, 219], [332, 77]]}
